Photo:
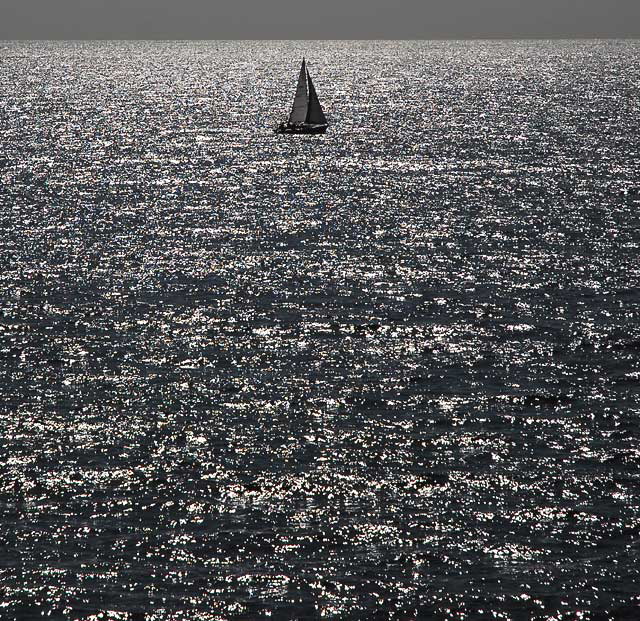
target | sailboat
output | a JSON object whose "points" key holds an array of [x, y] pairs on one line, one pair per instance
{"points": [[306, 115]]}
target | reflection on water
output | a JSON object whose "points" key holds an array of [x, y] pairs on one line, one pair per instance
{"points": [[388, 371]]}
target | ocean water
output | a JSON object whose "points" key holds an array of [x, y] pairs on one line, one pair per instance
{"points": [[389, 372]]}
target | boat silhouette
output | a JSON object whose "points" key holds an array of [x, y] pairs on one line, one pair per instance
{"points": [[306, 115]]}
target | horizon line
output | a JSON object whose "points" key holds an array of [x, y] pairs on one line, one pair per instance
{"points": [[390, 39]]}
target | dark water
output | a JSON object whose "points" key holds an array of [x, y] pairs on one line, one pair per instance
{"points": [[391, 372]]}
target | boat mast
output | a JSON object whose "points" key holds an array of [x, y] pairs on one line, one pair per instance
{"points": [[300, 106]]}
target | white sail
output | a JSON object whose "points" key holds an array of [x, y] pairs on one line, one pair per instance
{"points": [[301, 100], [315, 115]]}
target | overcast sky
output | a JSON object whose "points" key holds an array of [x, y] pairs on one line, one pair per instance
{"points": [[320, 19]]}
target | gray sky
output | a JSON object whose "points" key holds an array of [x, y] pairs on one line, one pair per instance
{"points": [[320, 19]]}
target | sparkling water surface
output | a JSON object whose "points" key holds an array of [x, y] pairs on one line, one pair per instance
{"points": [[389, 372]]}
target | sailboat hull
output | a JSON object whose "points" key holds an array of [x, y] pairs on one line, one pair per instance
{"points": [[303, 128]]}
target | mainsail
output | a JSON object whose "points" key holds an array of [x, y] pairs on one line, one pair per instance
{"points": [[301, 100], [315, 115]]}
